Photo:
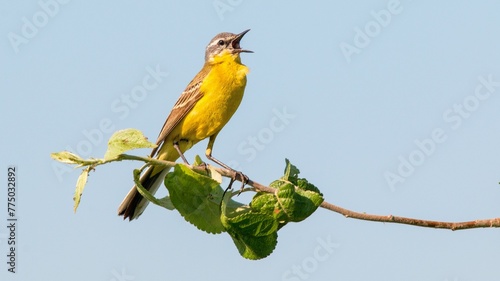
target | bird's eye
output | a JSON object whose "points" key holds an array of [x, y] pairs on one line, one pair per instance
{"points": [[221, 43]]}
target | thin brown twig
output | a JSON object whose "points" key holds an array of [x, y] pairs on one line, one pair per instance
{"points": [[494, 222]]}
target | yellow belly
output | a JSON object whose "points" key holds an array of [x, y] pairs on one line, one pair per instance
{"points": [[223, 90]]}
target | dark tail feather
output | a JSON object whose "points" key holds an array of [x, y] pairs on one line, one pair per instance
{"points": [[134, 204]]}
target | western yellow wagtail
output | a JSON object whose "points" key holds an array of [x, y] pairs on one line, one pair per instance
{"points": [[202, 110]]}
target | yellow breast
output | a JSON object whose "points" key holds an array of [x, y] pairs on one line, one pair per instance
{"points": [[223, 89]]}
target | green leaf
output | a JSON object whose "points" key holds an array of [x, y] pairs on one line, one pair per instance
{"points": [[292, 175], [166, 203], [125, 140], [163, 202], [197, 160], [291, 172], [297, 204], [216, 176], [294, 200], [253, 224], [251, 247], [254, 233], [71, 158], [80, 185], [196, 197], [264, 202], [305, 185], [209, 169]]}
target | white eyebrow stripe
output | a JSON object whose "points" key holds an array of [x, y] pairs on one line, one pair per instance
{"points": [[215, 42]]}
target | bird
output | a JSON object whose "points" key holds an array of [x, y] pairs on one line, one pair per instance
{"points": [[202, 110]]}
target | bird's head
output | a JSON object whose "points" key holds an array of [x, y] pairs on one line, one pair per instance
{"points": [[225, 43]]}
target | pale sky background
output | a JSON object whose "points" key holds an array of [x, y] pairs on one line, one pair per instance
{"points": [[353, 118]]}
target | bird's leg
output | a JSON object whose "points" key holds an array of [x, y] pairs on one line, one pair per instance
{"points": [[176, 146], [238, 175]]}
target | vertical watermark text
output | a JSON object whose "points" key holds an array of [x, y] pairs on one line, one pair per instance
{"points": [[12, 222]]}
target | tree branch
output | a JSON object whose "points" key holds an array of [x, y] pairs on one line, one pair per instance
{"points": [[494, 222]]}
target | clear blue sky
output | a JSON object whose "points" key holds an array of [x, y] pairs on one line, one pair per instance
{"points": [[389, 107]]}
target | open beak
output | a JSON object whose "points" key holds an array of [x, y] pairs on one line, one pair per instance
{"points": [[236, 43]]}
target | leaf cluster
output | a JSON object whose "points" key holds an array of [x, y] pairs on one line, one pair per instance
{"points": [[200, 200]]}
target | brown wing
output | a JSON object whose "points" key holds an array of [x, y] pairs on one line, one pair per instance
{"points": [[184, 104]]}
